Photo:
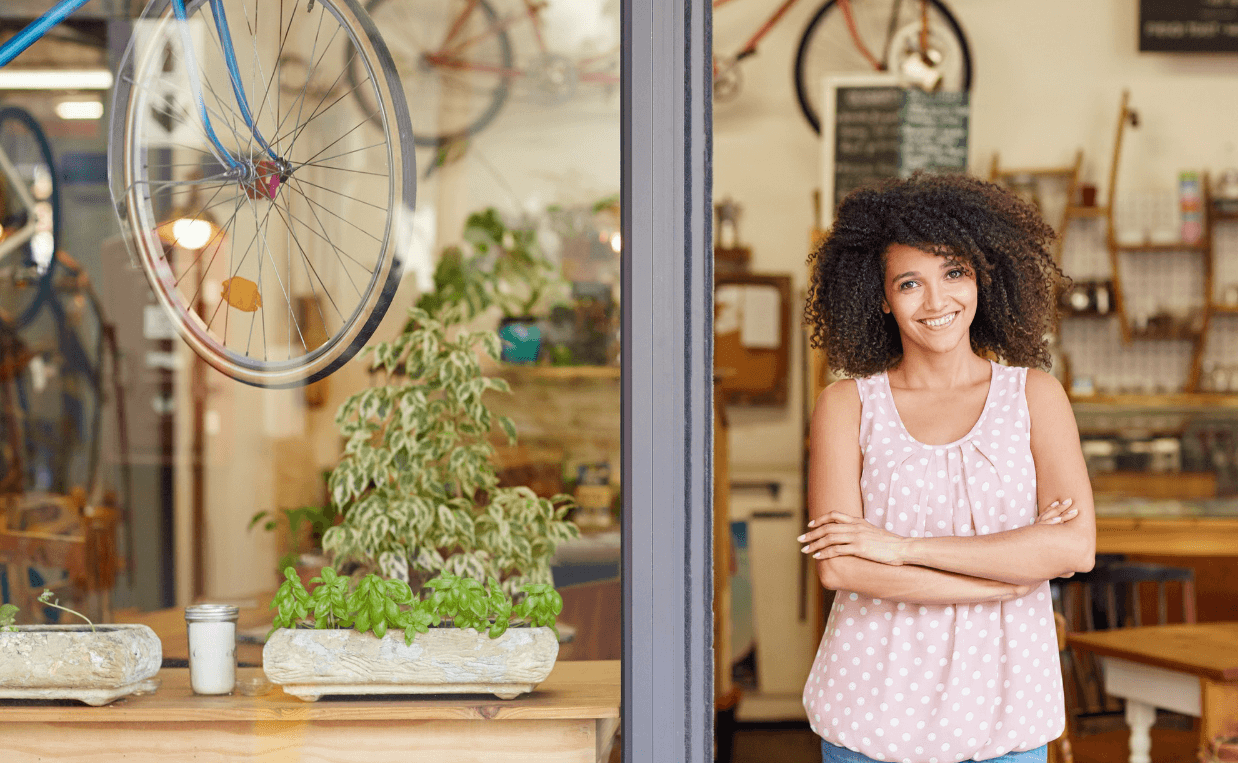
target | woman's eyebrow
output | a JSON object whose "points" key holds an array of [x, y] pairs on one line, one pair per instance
{"points": [[904, 275]]}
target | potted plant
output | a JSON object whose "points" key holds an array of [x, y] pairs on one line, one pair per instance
{"points": [[417, 485], [376, 636], [95, 664], [505, 266]]}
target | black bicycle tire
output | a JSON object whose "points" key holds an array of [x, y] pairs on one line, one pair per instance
{"points": [[45, 147], [801, 90], [331, 356], [499, 98]]}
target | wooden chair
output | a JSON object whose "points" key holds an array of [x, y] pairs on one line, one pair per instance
{"points": [[1111, 596], [58, 533]]}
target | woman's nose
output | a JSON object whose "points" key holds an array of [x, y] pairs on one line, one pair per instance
{"points": [[935, 296]]}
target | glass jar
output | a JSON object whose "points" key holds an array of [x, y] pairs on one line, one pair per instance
{"points": [[212, 647]]}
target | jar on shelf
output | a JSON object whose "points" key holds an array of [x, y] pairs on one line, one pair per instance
{"points": [[212, 647]]}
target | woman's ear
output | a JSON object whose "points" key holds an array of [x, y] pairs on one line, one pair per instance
{"points": [[885, 306]]}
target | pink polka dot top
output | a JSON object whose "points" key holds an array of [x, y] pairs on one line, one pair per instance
{"points": [[932, 683]]}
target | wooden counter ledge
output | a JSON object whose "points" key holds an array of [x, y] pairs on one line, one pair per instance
{"points": [[572, 716]]}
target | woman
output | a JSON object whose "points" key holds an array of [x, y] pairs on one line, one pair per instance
{"points": [[945, 490]]}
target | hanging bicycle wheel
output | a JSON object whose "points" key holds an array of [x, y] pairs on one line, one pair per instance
{"points": [[25, 271], [890, 30], [277, 256], [454, 59]]}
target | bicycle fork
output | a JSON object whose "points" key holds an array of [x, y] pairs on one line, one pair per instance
{"points": [[259, 179]]}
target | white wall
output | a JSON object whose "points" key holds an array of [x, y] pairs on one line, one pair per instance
{"points": [[1048, 81]]}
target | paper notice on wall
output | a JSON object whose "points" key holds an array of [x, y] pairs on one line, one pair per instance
{"points": [[728, 306], [761, 317]]}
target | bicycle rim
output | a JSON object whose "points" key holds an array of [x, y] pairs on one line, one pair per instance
{"points": [[277, 273], [455, 62], [827, 47], [26, 273]]}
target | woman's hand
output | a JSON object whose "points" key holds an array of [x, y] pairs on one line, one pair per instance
{"points": [[1057, 513], [838, 534]]}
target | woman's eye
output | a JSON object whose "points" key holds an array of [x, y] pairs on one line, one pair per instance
{"points": [[955, 273], [907, 285]]}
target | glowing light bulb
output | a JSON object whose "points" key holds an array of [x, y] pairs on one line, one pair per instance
{"points": [[616, 243], [191, 233]]}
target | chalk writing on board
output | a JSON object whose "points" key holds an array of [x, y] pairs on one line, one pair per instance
{"points": [[933, 132], [866, 136]]}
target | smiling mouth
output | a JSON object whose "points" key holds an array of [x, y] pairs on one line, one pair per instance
{"points": [[942, 322]]}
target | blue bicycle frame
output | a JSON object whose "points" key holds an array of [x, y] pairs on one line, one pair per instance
{"points": [[61, 10]]}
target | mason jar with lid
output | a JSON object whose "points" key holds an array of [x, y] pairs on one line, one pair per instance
{"points": [[212, 647]]}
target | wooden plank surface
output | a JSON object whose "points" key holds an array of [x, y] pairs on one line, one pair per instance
{"points": [[574, 690], [442, 741], [1178, 536], [1207, 650]]}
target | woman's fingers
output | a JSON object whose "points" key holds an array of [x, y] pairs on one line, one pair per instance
{"points": [[827, 536], [1057, 513]]}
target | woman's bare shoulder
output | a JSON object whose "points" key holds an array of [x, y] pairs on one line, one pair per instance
{"points": [[1047, 402], [838, 402]]}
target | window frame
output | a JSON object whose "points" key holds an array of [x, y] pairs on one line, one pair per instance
{"points": [[667, 384]]}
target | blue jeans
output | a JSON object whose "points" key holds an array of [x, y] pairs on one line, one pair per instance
{"points": [[831, 753]]}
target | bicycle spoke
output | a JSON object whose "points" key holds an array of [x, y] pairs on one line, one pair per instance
{"points": [[311, 230], [342, 219], [332, 143], [316, 114], [345, 169], [309, 266], [299, 101], [326, 236], [340, 193], [345, 153], [220, 233]]}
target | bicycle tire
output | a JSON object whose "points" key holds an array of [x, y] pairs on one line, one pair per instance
{"points": [[850, 60], [416, 74], [33, 149], [158, 149]]}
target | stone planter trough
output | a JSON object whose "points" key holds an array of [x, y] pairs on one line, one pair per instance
{"points": [[311, 663], [71, 662]]}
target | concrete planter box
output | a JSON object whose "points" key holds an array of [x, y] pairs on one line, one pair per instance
{"points": [[311, 663], [71, 662]]}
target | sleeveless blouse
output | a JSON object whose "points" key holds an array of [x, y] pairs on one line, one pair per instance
{"points": [[936, 683]]}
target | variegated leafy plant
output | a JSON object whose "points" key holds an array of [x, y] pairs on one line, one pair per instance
{"points": [[417, 483]]}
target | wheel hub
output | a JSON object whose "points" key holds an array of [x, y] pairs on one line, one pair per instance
{"points": [[263, 178]]}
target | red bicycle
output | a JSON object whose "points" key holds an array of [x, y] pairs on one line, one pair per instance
{"points": [[918, 39], [459, 65]]}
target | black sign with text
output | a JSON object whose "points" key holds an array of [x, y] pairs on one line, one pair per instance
{"points": [[888, 131], [1188, 26]]}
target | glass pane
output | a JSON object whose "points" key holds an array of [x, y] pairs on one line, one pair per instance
{"points": [[438, 181]]}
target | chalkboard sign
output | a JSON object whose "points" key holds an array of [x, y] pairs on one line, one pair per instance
{"points": [[873, 128], [860, 130], [932, 132], [1188, 26]]}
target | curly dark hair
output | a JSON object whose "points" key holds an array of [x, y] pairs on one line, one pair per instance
{"points": [[1000, 237]]}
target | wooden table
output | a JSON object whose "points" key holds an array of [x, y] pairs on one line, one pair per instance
{"points": [[572, 716], [1190, 669], [1167, 536]]}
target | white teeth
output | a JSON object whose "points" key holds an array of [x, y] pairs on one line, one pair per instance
{"points": [[945, 320]]}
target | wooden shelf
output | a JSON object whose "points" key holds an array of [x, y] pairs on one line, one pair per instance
{"points": [[1179, 401], [1042, 172], [1224, 309], [1077, 211]]}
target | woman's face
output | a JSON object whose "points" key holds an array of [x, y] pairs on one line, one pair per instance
{"points": [[932, 298]]}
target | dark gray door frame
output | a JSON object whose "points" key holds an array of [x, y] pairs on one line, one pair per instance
{"points": [[667, 382]]}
